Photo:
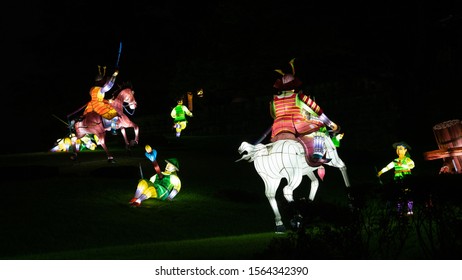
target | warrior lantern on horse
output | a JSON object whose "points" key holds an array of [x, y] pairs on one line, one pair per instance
{"points": [[103, 115], [299, 141], [297, 116], [286, 159], [98, 103]]}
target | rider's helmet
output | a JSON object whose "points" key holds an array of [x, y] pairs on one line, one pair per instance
{"points": [[288, 81], [100, 78]]}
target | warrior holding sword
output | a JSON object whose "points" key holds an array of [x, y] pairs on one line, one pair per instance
{"points": [[98, 103]]}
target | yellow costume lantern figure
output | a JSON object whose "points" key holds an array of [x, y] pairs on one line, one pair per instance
{"points": [[89, 142], [163, 186], [63, 145], [402, 166]]}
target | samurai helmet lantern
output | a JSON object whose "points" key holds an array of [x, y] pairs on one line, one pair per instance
{"points": [[100, 78], [288, 81]]}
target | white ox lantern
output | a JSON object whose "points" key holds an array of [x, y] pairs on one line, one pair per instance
{"points": [[286, 159]]}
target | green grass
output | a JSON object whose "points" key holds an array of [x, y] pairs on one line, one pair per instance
{"points": [[218, 248], [56, 208]]}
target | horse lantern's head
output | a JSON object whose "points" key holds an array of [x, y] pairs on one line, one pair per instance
{"points": [[249, 152], [129, 98]]}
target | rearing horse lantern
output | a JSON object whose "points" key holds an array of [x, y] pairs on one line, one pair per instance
{"points": [[95, 124]]}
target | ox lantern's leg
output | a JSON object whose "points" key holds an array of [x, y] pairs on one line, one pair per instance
{"points": [[314, 185], [271, 186], [294, 177]]}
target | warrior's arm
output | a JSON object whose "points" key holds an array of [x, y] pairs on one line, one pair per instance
{"points": [[409, 163], [272, 110], [186, 110], [311, 106], [110, 83], [310, 103], [175, 183], [386, 168]]}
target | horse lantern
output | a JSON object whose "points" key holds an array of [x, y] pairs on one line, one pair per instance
{"points": [[95, 124], [286, 159]]}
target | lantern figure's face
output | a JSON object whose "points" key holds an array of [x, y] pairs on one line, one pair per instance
{"points": [[401, 151], [170, 168]]}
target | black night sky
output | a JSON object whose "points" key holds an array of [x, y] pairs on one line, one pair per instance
{"points": [[389, 70]]}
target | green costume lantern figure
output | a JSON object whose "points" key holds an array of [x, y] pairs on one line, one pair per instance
{"points": [[164, 186], [402, 166], [179, 114]]}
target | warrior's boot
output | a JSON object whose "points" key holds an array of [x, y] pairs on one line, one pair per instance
{"points": [[114, 125], [314, 150], [177, 128], [135, 202]]}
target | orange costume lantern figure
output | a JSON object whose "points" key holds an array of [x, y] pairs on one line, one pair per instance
{"points": [[296, 116], [100, 105]]}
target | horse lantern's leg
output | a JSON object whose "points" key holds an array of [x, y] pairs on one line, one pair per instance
{"points": [[343, 169], [294, 178], [128, 123], [102, 142], [137, 131], [314, 185], [124, 134], [351, 198], [338, 163], [271, 186]]}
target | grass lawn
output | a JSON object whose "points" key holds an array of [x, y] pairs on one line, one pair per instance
{"points": [[56, 208]]}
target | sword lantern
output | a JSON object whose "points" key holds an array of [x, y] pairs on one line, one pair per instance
{"points": [[190, 101]]}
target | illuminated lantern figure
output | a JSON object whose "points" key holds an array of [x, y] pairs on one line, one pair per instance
{"points": [[88, 142], [448, 136], [163, 186], [92, 123], [179, 113], [63, 145], [100, 105], [296, 116], [286, 159], [336, 139], [402, 166]]}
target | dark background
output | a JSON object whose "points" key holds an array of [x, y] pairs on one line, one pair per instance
{"points": [[384, 71]]}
